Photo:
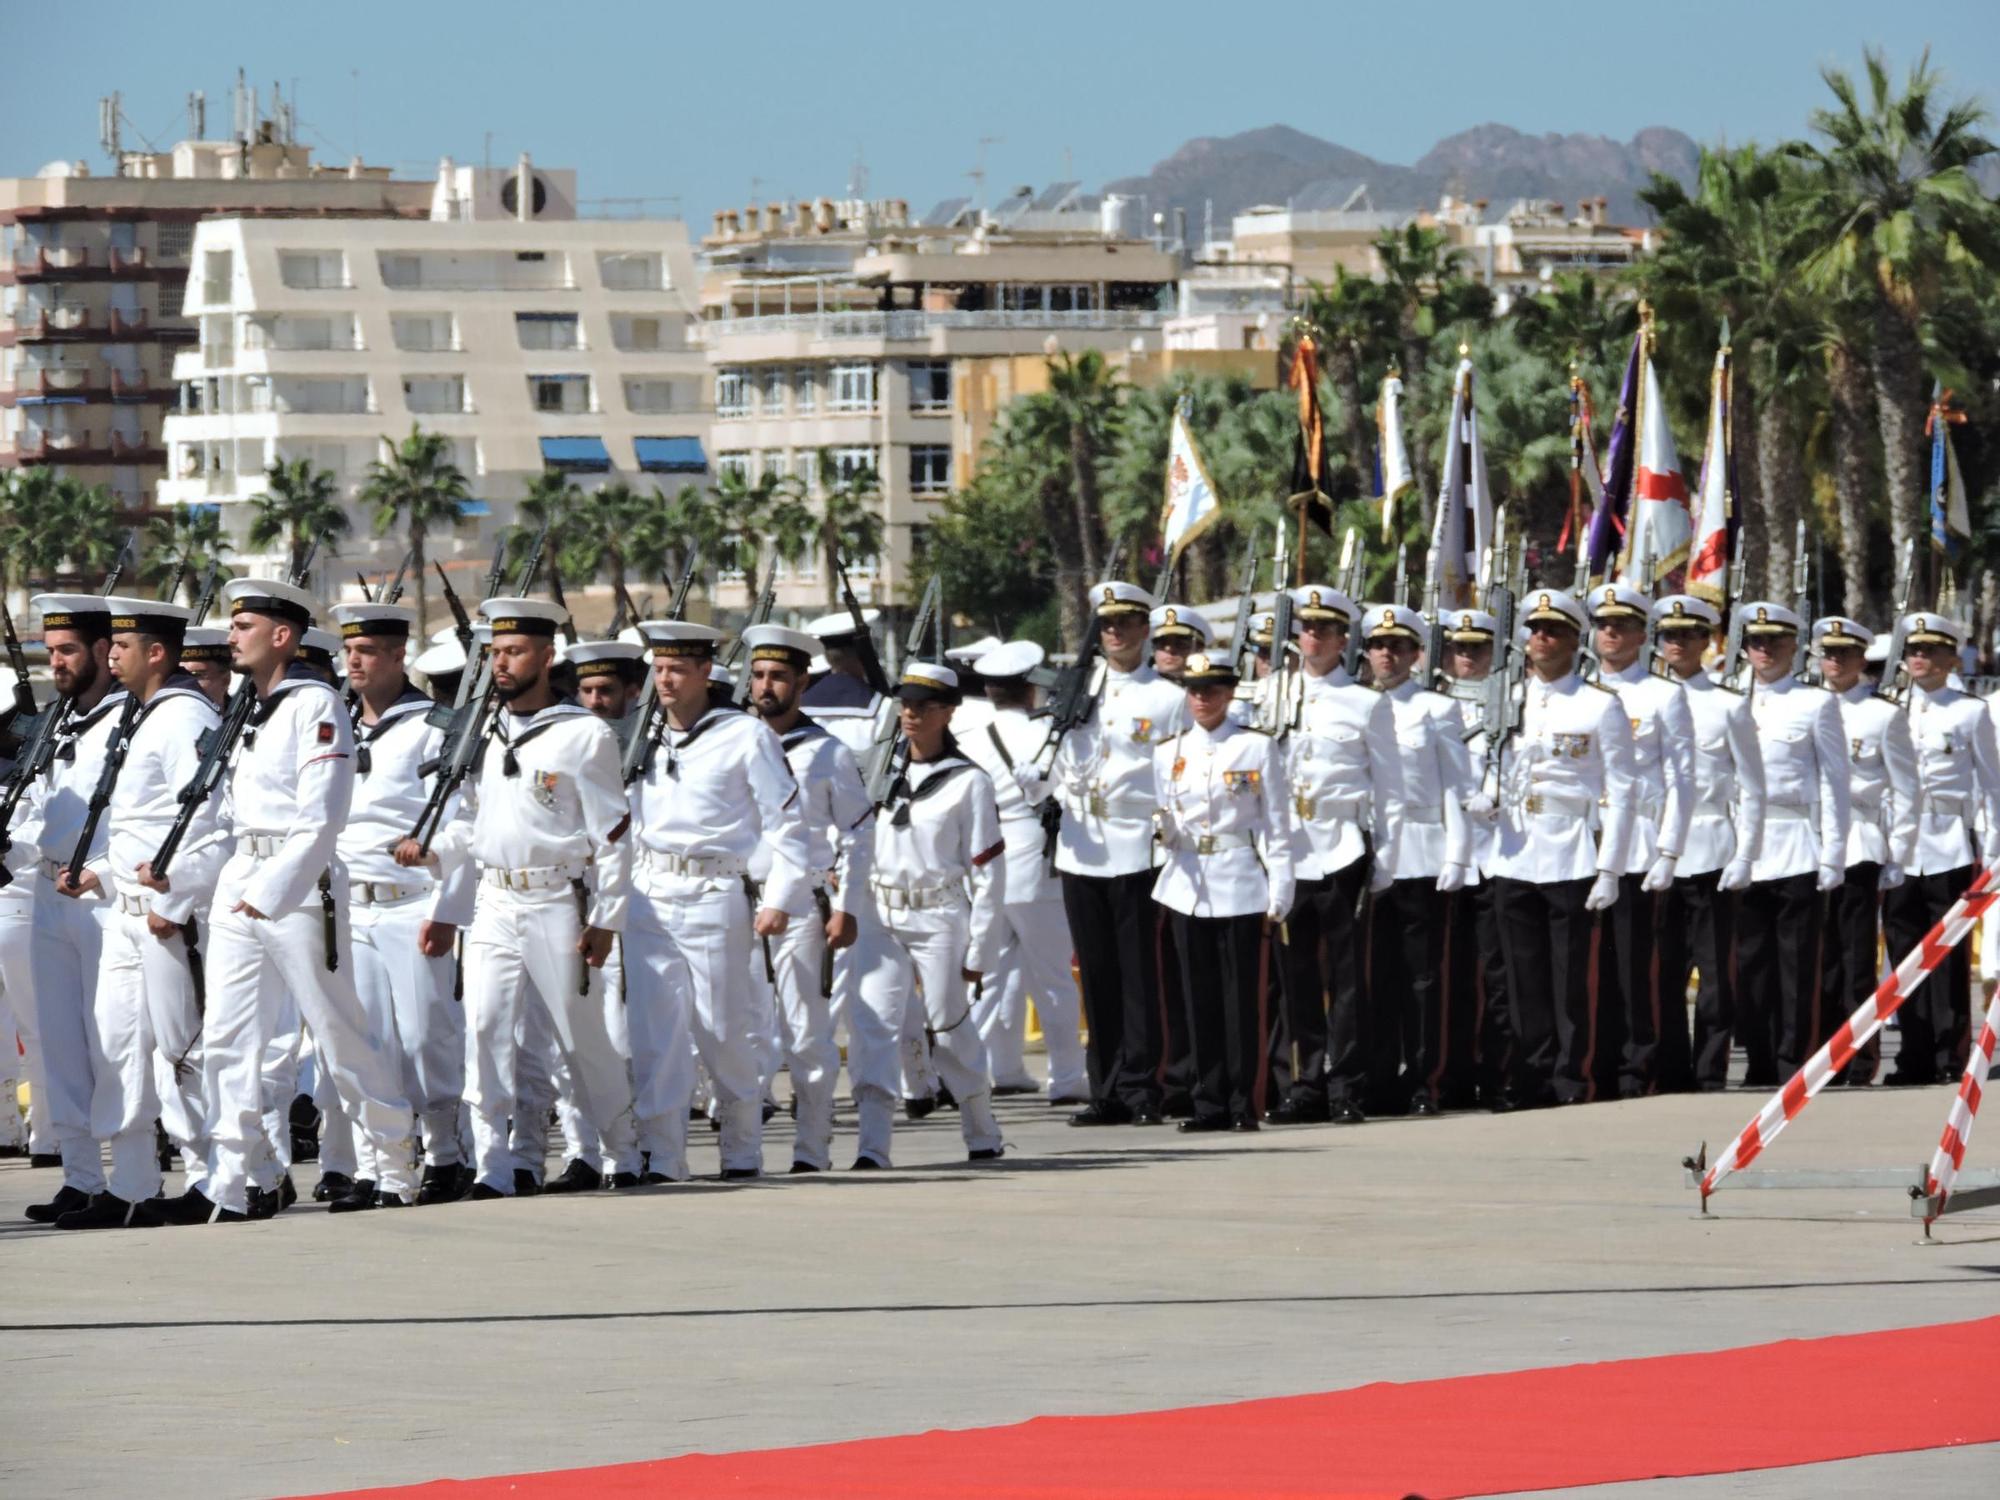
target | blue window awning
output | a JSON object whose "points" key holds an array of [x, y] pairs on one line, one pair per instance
{"points": [[471, 508], [576, 455], [671, 455], [52, 401]]}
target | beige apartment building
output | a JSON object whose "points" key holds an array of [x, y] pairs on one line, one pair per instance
{"points": [[92, 269]]}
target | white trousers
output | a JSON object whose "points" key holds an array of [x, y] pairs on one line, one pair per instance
{"points": [[687, 955], [414, 1018], [521, 951], [149, 1025], [253, 963], [542, 1086], [804, 1032], [1033, 963], [20, 1048], [65, 954], [928, 953]]}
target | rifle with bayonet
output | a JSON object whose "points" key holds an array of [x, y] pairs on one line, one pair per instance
{"points": [[760, 613], [1072, 704], [1433, 677], [1239, 635], [217, 745], [1350, 583], [1280, 712], [19, 721], [889, 753], [1732, 649], [1805, 668], [1504, 687], [652, 725], [466, 730], [1895, 676], [1400, 596]]}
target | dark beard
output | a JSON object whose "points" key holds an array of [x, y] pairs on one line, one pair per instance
{"points": [[85, 680], [521, 685]]}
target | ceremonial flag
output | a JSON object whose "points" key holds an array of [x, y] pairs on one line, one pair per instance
{"points": [[1191, 500], [1392, 455], [1309, 454], [1715, 509], [1950, 518], [1607, 521], [1660, 530], [1464, 523]]}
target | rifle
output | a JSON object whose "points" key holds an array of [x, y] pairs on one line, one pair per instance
{"points": [[1501, 714], [1279, 707], [174, 583], [466, 729], [1072, 704], [395, 589], [24, 689], [1349, 582], [760, 613], [1802, 604], [461, 622], [569, 621], [1895, 676], [1245, 604], [1433, 677], [1401, 595], [120, 564], [871, 662], [217, 745], [890, 752], [652, 720], [206, 598]]}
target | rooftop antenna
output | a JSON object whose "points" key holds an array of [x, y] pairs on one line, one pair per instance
{"points": [[978, 172], [857, 175], [198, 115], [108, 111], [1069, 164], [239, 102]]}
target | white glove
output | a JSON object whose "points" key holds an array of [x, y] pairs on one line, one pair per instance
{"points": [[1989, 848], [1033, 784], [1830, 878], [1603, 891], [1892, 876], [1451, 878], [1481, 808], [1380, 877], [1661, 876], [1735, 876], [1279, 906]]}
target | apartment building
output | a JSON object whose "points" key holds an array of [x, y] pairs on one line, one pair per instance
{"points": [[91, 272], [531, 338]]}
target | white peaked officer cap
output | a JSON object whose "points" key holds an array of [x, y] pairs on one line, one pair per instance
{"points": [[1838, 630], [1686, 609], [1618, 601], [1391, 620], [1014, 659], [1551, 607], [1181, 620], [1318, 601], [1767, 617], [1112, 597]]}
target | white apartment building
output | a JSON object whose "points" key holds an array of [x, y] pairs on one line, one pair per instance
{"points": [[530, 338]]}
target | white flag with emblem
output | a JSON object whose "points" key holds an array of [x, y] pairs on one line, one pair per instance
{"points": [[1191, 500]]}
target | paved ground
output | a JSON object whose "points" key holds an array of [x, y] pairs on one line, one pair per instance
{"points": [[1089, 1272]]}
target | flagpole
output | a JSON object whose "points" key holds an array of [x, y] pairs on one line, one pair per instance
{"points": [[1633, 514]]}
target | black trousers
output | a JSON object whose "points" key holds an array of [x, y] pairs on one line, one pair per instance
{"points": [[1177, 1043], [1547, 935], [1222, 963], [1403, 1018], [1777, 976], [1114, 927], [1937, 1020], [1847, 972], [1493, 1022], [1319, 955], [1706, 914], [1634, 1007]]}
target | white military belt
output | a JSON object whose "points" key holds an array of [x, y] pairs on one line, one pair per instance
{"points": [[1121, 805], [1944, 804], [1432, 814], [380, 893], [915, 897], [53, 868], [260, 845], [1868, 805], [1346, 809], [536, 878], [693, 866], [1790, 812], [1556, 805], [131, 903], [1206, 843]]}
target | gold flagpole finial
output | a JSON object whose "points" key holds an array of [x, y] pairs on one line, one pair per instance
{"points": [[1464, 349]]}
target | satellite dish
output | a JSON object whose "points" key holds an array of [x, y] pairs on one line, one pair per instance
{"points": [[510, 196]]}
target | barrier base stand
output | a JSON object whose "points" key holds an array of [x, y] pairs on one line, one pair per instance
{"points": [[1963, 1200], [1974, 1189]]}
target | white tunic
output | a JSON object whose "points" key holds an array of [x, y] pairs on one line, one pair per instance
{"points": [[939, 832], [389, 796], [1566, 774], [293, 781], [61, 798], [1663, 750], [1806, 775], [1883, 780], [1011, 738], [1103, 774], [1728, 779], [1225, 821], [1437, 778], [1958, 777], [834, 814], [160, 759], [1344, 774], [563, 809]]}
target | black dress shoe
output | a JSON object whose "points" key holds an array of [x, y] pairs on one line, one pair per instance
{"points": [[739, 1174], [191, 1207], [386, 1199], [622, 1180], [68, 1200], [108, 1212], [801, 1168], [654, 1179], [359, 1199], [945, 1099], [1203, 1125], [917, 1109], [1102, 1114], [578, 1177], [45, 1158], [481, 1193], [227, 1216], [1424, 1105], [986, 1153], [1178, 1107], [770, 1110], [1244, 1124], [1147, 1115], [1301, 1112], [332, 1185], [441, 1185], [1903, 1079], [865, 1164], [526, 1183], [264, 1203], [288, 1193], [304, 1120], [1015, 1090], [1345, 1112]]}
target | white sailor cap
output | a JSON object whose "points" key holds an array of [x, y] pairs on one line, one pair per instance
{"points": [[1678, 611], [1112, 597], [1013, 659], [388, 621], [1318, 601], [269, 596], [1839, 630], [620, 659], [1553, 607], [84, 612], [839, 625], [1928, 628], [965, 656], [681, 638], [1618, 601], [1469, 625], [927, 682], [1395, 620], [540, 617], [433, 661], [795, 648], [1181, 620], [1767, 617], [1878, 650], [720, 676], [320, 645], [153, 616], [204, 643]]}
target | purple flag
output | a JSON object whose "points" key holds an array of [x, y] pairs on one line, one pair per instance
{"points": [[1607, 523]]}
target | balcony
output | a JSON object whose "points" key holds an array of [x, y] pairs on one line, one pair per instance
{"points": [[59, 448], [53, 263], [131, 262], [137, 386], [129, 323], [66, 383], [50, 325], [913, 324]]}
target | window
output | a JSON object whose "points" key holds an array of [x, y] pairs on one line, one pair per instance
{"points": [[648, 397], [930, 469], [635, 334], [633, 271], [400, 270], [435, 394], [805, 390], [216, 269], [560, 393], [736, 462], [732, 394], [930, 385], [771, 384], [424, 331], [848, 462], [539, 330], [853, 388], [312, 270], [174, 241], [774, 463]]}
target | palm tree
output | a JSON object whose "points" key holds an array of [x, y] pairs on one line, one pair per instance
{"points": [[1082, 412], [552, 500], [666, 532], [1576, 316], [300, 505], [60, 528], [1356, 325], [850, 518], [187, 540], [1427, 293], [1893, 204], [419, 487]]}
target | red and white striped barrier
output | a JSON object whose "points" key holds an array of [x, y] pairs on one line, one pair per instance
{"points": [[1856, 1030], [1964, 1109]]}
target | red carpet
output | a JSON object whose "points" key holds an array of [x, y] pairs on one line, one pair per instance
{"points": [[1767, 1406]]}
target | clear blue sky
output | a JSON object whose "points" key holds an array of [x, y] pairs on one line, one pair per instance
{"points": [[696, 101]]}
